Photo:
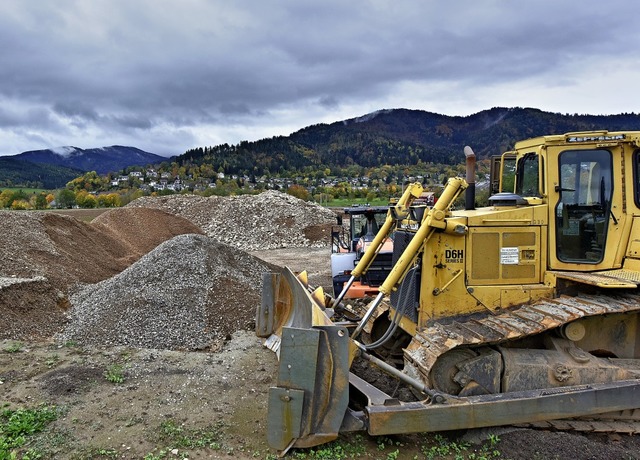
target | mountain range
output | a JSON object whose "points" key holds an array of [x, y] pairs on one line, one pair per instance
{"points": [[101, 160], [399, 137], [53, 168], [393, 137]]}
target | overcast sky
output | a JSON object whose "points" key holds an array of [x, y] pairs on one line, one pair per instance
{"points": [[166, 76]]}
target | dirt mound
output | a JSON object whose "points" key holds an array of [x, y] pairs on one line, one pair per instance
{"points": [[252, 222], [44, 254], [188, 293], [31, 307], [142, 229]]}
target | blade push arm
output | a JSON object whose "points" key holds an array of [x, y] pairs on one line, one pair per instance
{"points": [[433, 220], [398, 211]]}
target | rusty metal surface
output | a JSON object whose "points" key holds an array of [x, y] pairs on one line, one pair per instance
{"points": [[630, 275], [533, 406], [307, 406], [540, 316], [606, 279], [627, 422]]}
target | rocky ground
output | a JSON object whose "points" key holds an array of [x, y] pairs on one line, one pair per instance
{"points": [[137, 326]]}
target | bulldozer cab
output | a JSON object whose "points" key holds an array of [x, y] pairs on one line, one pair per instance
{"points": [[366, 224], [502, 172], [363, 221], [350, 244], [581, 178]]}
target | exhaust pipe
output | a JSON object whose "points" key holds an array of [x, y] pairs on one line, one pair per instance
{"points": [[470, 193]]}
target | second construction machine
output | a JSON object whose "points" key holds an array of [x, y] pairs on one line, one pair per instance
{"points": [[349, 245], [524, 311]]}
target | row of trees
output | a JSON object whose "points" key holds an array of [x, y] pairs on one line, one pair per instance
{"points": [[65, 198], [318, 184], [19, 199]]}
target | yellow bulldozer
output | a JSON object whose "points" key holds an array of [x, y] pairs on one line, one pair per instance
{"points": [[522, 312]]}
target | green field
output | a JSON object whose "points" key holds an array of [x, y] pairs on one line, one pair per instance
{"points": [[28, 191], [342, 203]]}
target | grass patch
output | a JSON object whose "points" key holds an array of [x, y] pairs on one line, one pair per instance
{"points": [[17, 428], [115, 373], [418, 447], [179, 438], [443, 448], [27, 190], [15, 347], [52, 361], [348, 202]]}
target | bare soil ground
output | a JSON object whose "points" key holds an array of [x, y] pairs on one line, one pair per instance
{"points": [[132, 403], [222, 394]]}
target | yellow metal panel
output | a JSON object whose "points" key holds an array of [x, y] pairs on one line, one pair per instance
{"points": [[503, 255], [633, 249], [442, 290], [606, 279], [632, 264], [496, 217], [485, 256]]}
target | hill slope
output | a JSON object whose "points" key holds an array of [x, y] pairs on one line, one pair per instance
{"points": [[101, 160], [399, 136], [18, 173]]}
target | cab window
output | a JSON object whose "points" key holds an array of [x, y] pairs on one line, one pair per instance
{"points": [[527, 174], [582, 212], [636, 177]]}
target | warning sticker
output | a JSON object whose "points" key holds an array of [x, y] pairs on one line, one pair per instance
{"points": [[509, 256]]}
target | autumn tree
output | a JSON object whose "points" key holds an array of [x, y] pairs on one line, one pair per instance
{"points": [[66, 198], [299, 192], [108, 200], [20, 204], [6, 198], [40, 201], [89, 182], [85, 199]]}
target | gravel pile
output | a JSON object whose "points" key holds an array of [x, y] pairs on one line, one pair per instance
{"points": [[43, 255], [269, 220], [189, 293]]}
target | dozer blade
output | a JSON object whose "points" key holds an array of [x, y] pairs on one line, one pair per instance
{"points": [[307, 406], [287, 302]]}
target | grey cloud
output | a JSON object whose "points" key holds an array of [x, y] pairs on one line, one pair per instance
{"points": [[130, 66]]}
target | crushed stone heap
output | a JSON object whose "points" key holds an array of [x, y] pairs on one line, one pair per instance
{"points": [[189, 293], [44, 254], [56, 268], [269, 220]]}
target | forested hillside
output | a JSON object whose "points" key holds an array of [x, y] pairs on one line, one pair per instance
{"points": [[398, 137], [26, 174]]}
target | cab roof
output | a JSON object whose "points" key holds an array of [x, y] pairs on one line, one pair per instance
{"points": [[581, 137]]}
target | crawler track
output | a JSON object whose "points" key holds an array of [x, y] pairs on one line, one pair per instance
{"points": [[527, 320]]}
